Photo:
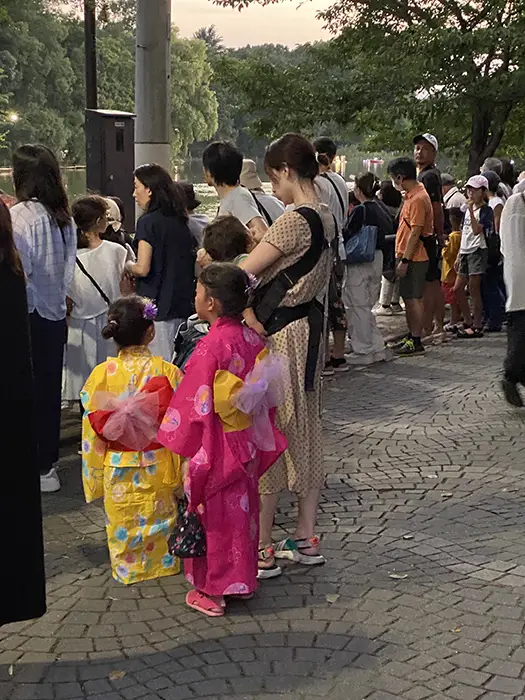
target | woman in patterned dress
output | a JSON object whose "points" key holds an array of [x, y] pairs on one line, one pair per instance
{"points": [[292, 166]]}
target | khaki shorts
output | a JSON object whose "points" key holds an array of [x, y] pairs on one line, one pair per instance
{"points": [[412, 286], [474, 263]]}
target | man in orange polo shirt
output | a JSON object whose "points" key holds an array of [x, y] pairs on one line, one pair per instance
{"points": [[415, 222]]}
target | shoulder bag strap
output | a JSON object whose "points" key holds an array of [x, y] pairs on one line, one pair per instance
{"points": [[93, 282], [342, 204], [262, 210], [271, 295]]}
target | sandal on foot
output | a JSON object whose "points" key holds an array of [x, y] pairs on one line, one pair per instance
{"points": [[267, 568], [208, 605], [469, 332], [303, 551]]}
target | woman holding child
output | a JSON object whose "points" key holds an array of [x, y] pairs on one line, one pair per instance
{"points": [[292, 167]]}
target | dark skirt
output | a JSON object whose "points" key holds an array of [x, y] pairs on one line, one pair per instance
{"points": [[22, 579]]}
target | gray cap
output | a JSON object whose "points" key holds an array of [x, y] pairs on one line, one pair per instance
{"points": [[447, 179]]}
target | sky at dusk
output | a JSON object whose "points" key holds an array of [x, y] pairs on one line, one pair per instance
{"points": [[290, 22]]}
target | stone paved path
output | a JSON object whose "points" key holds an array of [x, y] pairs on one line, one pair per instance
{"points": [[423, 522]]}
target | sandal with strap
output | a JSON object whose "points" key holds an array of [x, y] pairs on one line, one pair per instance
{"points": [[469, 332], [303, 551], [209, 605], [267, 568]]}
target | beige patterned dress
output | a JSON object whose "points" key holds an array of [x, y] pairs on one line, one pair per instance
{"points": [[301, 468]]}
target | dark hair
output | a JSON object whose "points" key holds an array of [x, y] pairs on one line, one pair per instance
{"points": [[456, 218], [223, 160], [406, 167], [493, 179], [229, 285], [86, 212], [121, 208], [8, 252], [294, 151], [166, 194], [368, 184], [389, 195], [508, 172], [352, 199], [36, 175], [126, 323], [326, 146], [225, 238]]}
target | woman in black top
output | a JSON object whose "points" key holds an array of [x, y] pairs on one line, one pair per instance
{"points": [[362, 282], [22, 585], [165, 267]]}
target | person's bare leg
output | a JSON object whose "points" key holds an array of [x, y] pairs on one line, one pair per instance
{"points": [[455, 314], [307, 520], [414, 311], [474, 285], [461, 299], [429, 305], [266, 517], [338, 349], [439, 308]]}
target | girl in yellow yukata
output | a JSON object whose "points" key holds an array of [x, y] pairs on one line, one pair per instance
{"points": [[124, 402]]}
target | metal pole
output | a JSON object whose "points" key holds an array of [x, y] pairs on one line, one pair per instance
{"points": [[152, 83], [90, 43]]}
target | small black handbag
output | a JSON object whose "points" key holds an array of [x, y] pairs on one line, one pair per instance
{"points": [[188, 539]]}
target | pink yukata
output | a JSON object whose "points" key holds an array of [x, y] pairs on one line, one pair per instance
{"points": [[225, 464]]}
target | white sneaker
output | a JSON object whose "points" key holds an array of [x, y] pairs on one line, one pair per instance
{"points": [[383, 311], [361, 360], [49, 483]]}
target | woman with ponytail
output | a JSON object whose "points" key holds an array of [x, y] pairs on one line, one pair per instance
{"points": [[95, 285]]}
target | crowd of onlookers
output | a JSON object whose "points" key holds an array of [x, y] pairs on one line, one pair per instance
{"points": [[306, 269]]}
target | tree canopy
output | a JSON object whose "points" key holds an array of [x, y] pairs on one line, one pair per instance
{"points": [[454, 67], [42, 76]]}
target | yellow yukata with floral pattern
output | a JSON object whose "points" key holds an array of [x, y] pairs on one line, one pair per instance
{"points": [[137, 487]]}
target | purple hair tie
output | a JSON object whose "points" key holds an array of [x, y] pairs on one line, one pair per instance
{"points": [[150, 310]]}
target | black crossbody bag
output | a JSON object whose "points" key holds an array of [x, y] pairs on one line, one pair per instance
{"points": [[268, 297]]}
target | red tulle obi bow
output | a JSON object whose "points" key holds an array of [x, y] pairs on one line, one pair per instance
{"points": [[132, 424]]}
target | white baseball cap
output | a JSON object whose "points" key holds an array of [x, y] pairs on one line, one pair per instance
{"points": [[430, 138], [476, 182]]}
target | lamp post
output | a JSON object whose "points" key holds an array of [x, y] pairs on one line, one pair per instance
{"points": [[152, 83]]}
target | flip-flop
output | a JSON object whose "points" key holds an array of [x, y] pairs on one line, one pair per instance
{"points": [[198, 601]]}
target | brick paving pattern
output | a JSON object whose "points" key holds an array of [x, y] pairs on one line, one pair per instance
{"points": [[423, 525]]}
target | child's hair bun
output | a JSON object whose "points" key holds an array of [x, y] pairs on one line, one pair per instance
{"points": [[109, 331]]}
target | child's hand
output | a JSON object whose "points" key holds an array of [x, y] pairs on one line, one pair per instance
{"points": [[203, 259], [259, 329]]}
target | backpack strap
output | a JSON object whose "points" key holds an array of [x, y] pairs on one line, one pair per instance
{"points": [[342, 204], [262, 210], [270, 295], [94, 282]]}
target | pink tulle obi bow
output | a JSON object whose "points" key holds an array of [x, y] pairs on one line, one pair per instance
{"points": [[263, 390], [131, 424]]}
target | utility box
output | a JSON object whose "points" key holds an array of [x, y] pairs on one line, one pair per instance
{"points": [[110, 157]]}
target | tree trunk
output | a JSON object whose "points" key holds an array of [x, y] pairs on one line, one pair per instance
{"points": [[488, 128]]}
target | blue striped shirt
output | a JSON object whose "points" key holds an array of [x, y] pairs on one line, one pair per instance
{"points": [[48, 257]]}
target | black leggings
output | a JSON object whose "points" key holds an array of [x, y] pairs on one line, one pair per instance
{"points": [[48, 339], [514, 365]]}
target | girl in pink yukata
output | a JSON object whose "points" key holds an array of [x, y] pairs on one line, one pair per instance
{"points": [[221, 420]]}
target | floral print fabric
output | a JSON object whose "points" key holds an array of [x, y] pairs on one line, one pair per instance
{"points": [[137, 487]]}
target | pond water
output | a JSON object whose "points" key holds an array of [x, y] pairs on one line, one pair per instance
{"points": [[191, 170]]}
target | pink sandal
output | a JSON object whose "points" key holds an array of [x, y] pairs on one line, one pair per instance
{"points": [[210, 606]]}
